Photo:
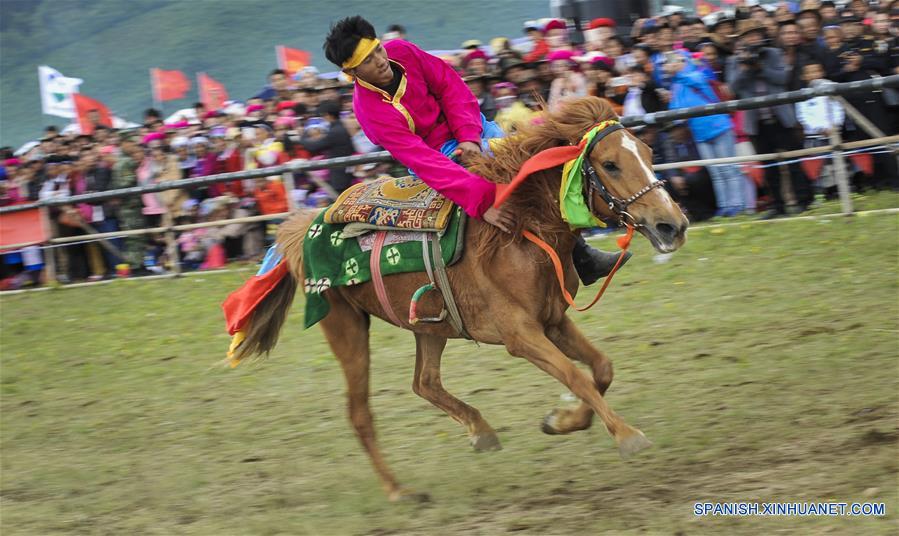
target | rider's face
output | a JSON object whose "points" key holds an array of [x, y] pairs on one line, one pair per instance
{"points": [[375, 69]]}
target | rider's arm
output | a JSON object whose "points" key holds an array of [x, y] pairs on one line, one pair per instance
{"points": [[459, 105], [391, 131]]}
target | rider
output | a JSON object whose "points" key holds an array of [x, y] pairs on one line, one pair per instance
{"points": [[418, 108]]}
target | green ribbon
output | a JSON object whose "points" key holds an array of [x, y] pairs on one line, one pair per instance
{"points": [[574, 207]]}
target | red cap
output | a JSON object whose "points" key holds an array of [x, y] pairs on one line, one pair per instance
{"points": [[286, 105], [601, 23], [476, 54], [555, 24]]}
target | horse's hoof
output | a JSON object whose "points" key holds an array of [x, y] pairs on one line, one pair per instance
{"points": [[554, 422], [633, 444], [549, 423], [408, 496], [485, 442]]}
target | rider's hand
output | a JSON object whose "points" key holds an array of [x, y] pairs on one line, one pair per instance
{"points": [[467, 150], [501, 218]]}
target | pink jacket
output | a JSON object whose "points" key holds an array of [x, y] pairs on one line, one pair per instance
{"points": [[431, 106]]}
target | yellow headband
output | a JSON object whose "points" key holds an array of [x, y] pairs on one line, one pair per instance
{"points": [[363, 49]]}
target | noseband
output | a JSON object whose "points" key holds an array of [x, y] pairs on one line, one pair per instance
{"points": [[593, 185]]}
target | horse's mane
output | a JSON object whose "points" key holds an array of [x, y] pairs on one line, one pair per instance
{"points": [[535, 202]]}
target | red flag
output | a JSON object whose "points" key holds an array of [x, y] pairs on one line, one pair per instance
{"points": [[91, 113], [23, 227], [291, 59], [240, 305], [812, 168], [864, 162], [212, 92], [169, 85]]}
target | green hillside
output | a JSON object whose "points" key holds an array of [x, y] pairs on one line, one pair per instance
{"points": [[112, 44]]}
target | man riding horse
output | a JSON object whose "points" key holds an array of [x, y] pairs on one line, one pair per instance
{"points": [[418, 108]]}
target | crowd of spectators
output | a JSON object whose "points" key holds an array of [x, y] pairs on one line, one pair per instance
{"points": [[670, 61]]}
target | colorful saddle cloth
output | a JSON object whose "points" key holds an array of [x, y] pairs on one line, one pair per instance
{"points": [[331, 259], [390, 204]]}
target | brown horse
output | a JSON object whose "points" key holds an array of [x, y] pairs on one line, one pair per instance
{"points": [[505, 289]]}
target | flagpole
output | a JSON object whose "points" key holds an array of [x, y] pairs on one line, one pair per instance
{"points": [[156, 102], [278, 56], [200, 89]]}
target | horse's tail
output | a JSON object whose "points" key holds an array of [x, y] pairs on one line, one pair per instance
{"points": [[268, 318]]}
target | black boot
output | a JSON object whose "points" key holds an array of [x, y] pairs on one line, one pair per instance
{"points": [[592, 264]]}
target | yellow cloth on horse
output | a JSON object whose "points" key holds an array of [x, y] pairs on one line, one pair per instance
{"points": [[392, 204]]}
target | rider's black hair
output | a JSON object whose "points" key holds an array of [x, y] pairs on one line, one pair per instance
{"points": [[343, 38]]}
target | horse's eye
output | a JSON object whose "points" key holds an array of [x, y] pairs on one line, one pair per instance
{"points": [[609, 166]]}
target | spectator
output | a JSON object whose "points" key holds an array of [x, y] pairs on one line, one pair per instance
{"points": [[643, 96], [713, 134], [127, 210], [152, 116], [691, 186], [478, 86], [337, 142], [757, 70], [664, 42], [539, 46], [598, 33], [512, 113], [568, 82], [271, 198], [819, 117], [394, 31]]}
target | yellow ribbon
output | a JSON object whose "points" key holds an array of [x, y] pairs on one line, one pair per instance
{"points": [[363, 49], [236, 341]]}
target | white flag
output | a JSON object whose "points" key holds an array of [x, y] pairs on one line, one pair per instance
{"points": [[56, 92]]}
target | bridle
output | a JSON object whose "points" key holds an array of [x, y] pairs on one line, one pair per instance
{"points": [[555, 156], [593, 184]]}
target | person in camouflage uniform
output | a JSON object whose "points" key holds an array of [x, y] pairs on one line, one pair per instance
{"points": [[129, 210]]}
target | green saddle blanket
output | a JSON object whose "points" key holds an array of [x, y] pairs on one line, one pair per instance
{"points": [[330, 259]]}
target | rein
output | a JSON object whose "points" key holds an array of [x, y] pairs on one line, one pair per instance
{"points": [[624, 242], [556, 156]]}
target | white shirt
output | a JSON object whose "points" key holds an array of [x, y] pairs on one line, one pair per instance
{"points": [[819, 114]]}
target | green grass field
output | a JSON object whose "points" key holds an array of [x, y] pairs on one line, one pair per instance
{"points": [[762, 361]]}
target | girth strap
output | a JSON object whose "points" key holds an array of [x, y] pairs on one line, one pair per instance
{"points": [[376, 277], [443, 284]]}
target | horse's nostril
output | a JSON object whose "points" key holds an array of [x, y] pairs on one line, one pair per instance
{"points": [[666, 230]]}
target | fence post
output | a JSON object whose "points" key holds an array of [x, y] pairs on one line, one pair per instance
{"points": [[289, 185], [864, 123], [839, 163], [171, 244], [48, 253]]}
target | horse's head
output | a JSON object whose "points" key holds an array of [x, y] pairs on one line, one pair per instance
{"points": [[625, 187]]}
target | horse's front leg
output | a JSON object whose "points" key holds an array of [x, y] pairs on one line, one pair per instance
{"points": [[572, 342], [524, 337]]}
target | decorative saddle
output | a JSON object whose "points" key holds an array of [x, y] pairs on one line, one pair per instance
{"points": [[390, 204], [379, 228]]}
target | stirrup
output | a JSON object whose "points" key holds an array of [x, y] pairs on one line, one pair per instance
{"points": [[413, 307]]}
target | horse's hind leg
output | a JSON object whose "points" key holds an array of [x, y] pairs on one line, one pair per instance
{"points": [[346, 329], [427, 384], [524, 337], [572, 342]]}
